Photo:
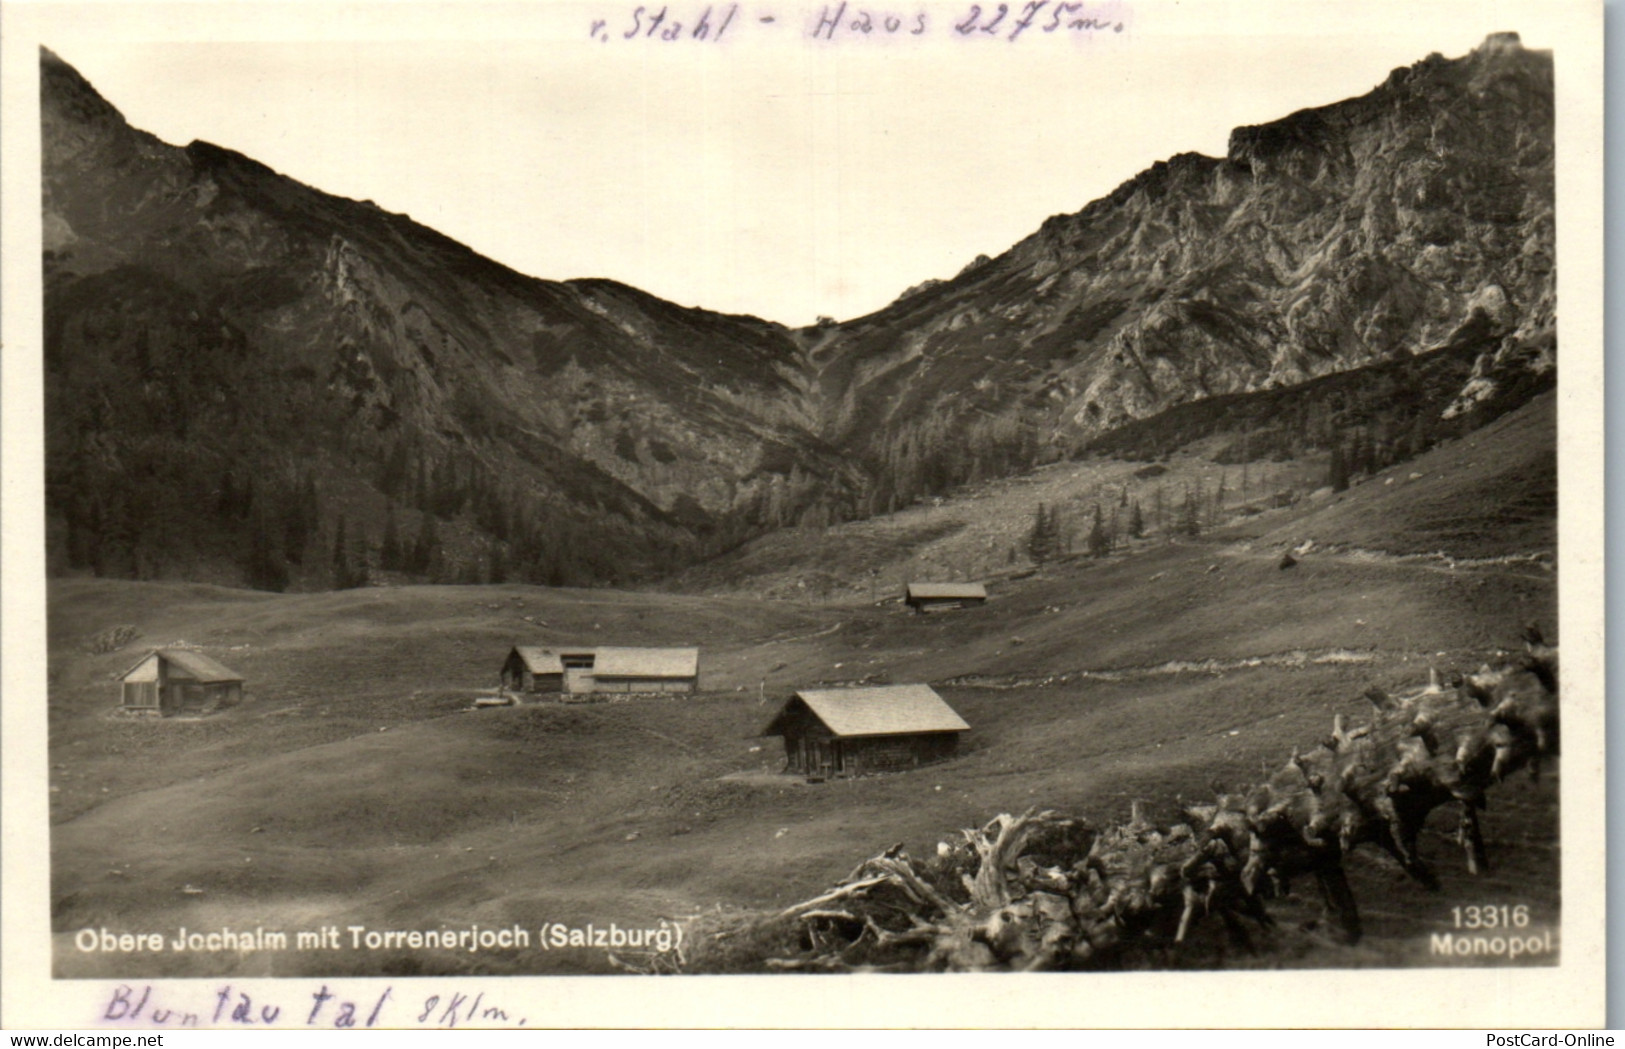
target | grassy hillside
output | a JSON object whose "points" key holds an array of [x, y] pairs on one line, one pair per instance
{"points": [[356, 786], [1490, 493]]}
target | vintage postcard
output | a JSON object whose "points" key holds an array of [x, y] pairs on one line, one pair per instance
{"points": [[602, 513]]}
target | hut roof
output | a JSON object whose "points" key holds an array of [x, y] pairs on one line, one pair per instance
{"points": [[960, 591], [646, 662], [539, 660], [196, 664], [886, 710]]}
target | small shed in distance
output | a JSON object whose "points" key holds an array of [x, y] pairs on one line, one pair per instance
{"points": [[942, 597], [850, 731], [169, 681], [584, 670]]}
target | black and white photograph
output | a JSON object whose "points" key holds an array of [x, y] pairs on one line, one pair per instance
{"points": [[778, 490]]}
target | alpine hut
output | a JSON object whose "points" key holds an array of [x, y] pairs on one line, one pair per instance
{"points": [[851, 731], [942, 597], [169, 681], [532, 668], [583, 670]]}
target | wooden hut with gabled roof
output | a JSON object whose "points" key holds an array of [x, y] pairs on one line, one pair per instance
{"points": [[170, 681], [851, 731], [943, 597], [534, 668]]}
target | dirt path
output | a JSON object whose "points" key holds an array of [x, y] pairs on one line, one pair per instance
{"points": [[1288, 660], [1437, 561]]}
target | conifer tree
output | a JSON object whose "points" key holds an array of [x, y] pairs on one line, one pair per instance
{"points": [[1043, 538], [341, 552], [264, 568], [1098, 542], [426, 549], [1337, 471], [395, 473], [389, 554], [1190, 514], [350, 567], [359, 560], [226, 502], [300, 519]]}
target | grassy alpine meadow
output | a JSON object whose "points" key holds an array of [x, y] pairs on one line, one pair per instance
{"points": [[357, 787]]}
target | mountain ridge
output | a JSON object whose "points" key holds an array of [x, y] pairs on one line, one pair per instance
{"points": [[1165, 223], [208, 317]]}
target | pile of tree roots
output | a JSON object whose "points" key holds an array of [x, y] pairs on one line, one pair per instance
{"points": [[1044, 891]]}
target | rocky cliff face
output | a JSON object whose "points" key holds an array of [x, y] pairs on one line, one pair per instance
{"points": [[1416, 217], [223, 342]]}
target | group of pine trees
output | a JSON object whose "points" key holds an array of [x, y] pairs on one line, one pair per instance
{"points": [[1365, 452], [1047, 539], [279, 528], [1115, 519], [512, 532], [133, 518], [941, 451]]}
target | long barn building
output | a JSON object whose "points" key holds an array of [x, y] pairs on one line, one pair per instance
{"points": [[579, 670]]}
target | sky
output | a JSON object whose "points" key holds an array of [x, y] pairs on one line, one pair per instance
{"points": [[766, 172]]}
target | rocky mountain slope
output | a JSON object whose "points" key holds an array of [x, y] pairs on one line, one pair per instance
{"points": [[210, 321], [249, 379], [1415, 218]]}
